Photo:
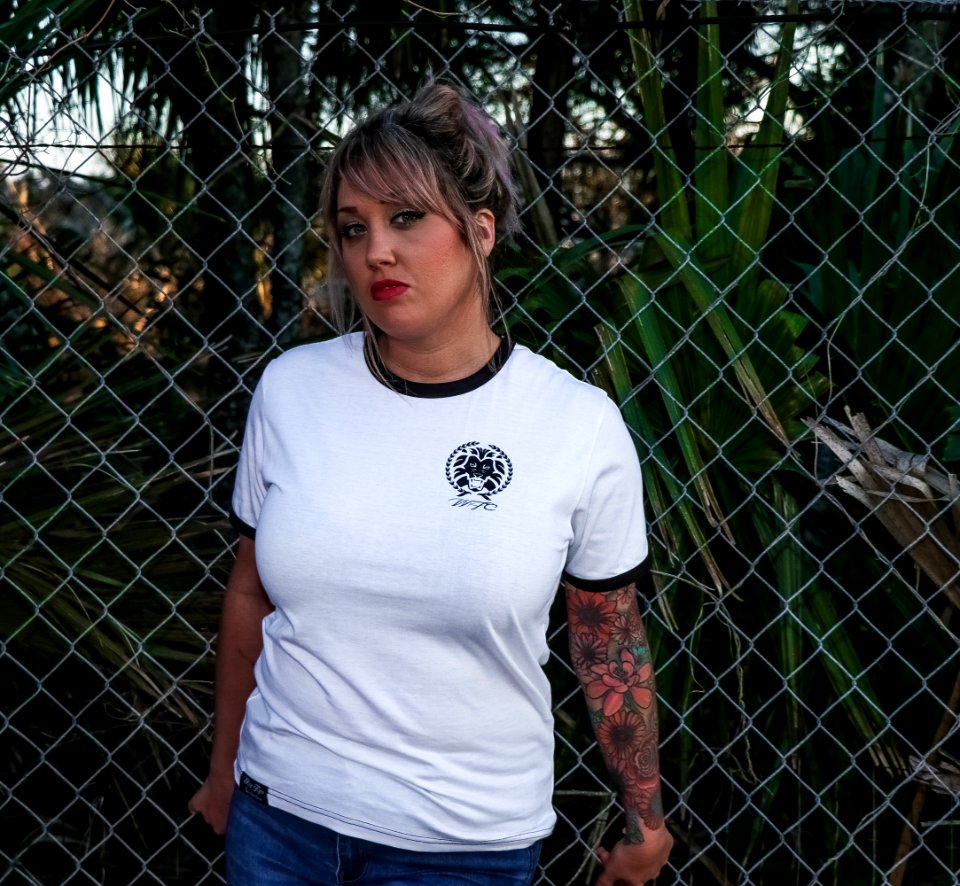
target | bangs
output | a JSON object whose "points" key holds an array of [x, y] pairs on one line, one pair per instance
{"points": [[393, 169]]}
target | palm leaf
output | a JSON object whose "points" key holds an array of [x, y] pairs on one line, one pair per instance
{"points": [[757, 190], [673, 206]]}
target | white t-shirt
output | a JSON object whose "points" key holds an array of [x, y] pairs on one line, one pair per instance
{"points": [[412, 544]]}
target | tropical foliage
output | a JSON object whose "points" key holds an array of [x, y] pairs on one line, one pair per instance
{"points": [[718, 351]]}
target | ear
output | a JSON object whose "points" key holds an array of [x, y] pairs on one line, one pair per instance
{"points": [[486, 229]]}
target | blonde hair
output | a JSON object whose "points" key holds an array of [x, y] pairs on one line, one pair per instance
{"points": [[438, 152]]}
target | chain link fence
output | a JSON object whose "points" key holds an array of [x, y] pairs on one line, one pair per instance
{"points": [[741, 219]]}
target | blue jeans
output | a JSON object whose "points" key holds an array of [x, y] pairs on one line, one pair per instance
{"points": [[270, 847]]}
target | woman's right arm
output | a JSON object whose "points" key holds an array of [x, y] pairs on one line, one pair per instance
{"points": [[245, 604]]}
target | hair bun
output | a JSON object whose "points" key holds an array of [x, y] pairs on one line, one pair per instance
{"points": [[446, 118]]}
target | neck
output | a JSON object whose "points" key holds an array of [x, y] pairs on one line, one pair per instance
{"points": [[438, 362]]}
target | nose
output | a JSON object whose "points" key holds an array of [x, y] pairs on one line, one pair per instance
{"points": [[379, 248]]}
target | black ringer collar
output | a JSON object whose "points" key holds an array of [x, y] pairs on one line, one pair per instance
{"points": [[437, 390]]}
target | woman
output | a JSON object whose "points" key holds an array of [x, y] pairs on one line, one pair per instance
{"points": [[408, 500]]}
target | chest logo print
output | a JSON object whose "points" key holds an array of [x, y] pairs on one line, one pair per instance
{"points": [[476, 469]]}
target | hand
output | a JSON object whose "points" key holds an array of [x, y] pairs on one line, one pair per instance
{"points": [[633, 864], [212, 801]]}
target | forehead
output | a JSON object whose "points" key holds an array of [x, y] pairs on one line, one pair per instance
{"points": [[351, 199], [390, 179]]}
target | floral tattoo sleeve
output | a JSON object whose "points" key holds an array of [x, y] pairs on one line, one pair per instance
{"points": [[610, 653]]}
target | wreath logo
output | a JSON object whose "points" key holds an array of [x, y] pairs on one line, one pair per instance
{"points": [[479, 469]]}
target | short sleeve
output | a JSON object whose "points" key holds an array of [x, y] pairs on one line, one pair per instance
{"points": [[609, 548], [250, 490]]}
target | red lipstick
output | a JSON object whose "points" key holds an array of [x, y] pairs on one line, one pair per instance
{"points": [[384, 290]]}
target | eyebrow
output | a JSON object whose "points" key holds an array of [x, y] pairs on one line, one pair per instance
{"points": [[354, 209]]}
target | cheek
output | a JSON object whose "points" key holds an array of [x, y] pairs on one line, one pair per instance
{"points": [[455, 262], [350, 265]]}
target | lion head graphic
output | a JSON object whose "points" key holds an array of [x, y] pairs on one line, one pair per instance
{"points": [[479, 469]]}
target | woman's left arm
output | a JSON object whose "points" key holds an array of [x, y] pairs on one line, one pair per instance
{"points": [[611, 655]]}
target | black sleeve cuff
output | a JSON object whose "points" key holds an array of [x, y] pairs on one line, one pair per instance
{"points": [[241, 527], [602, 585]]}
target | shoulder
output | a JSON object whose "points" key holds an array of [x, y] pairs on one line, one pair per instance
{"points": [[339, 352], [319, 371], [314, 364], [541, 378], [563, 407]]}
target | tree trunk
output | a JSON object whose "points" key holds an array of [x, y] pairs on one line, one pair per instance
{"points": [[222, 305], [293, 201], [548, 116]]}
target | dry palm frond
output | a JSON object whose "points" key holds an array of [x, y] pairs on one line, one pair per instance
{"points": [[920, 508], [919, 505], [942, 776]]}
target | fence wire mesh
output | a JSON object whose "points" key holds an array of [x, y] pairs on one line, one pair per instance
{"points": [[739, 218]]}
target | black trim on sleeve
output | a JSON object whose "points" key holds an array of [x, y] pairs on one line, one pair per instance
{"points": [[602, 585], [241, 527]]}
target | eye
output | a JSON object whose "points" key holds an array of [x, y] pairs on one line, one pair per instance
{"points": [[351, 231], [407, 217]]}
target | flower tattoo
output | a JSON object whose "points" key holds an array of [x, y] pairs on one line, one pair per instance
{"points": [[622, 735], [614, 681], [587, 651], [646, 760], [610, 653], [590, 613], [628, 630]]}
